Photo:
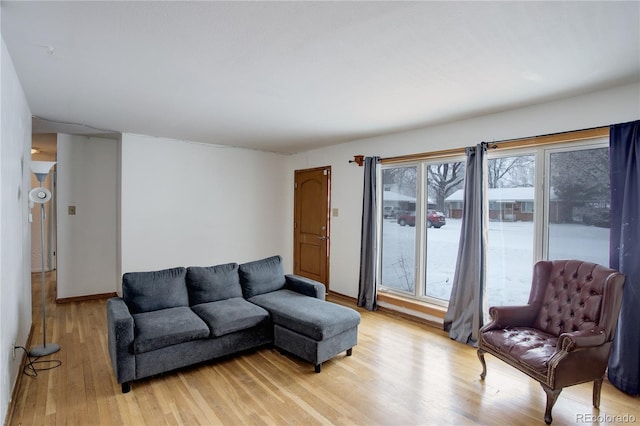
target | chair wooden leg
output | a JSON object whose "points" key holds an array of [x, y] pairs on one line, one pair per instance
{"points": [[484, 364], [552, 396], [597, 387]]}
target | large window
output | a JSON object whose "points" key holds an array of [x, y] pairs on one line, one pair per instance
{"points": [[511, 180], [398, 228], [550, 202], [421, 230], [578, 204], [442, 227]]}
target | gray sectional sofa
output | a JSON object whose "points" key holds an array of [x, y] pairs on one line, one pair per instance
{"points": [[177, 317]]}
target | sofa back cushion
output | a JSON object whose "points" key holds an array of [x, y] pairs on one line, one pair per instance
{"points": [[261, 276], [152, 291], [213, 283]]}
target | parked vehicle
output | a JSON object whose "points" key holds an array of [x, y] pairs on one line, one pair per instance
{"points": [[389, 212], [435, 219], [406, 218]]}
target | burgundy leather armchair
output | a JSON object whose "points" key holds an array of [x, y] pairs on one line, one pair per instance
{"points": [[563, 336]]}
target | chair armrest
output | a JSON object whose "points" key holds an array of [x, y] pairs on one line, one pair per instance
{"points": [[305, 286], [120, 336], [511, 316], [592, 337]]}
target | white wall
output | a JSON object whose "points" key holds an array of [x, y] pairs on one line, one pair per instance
{"points": [[86, 248], [597, 109], [185, 203], [15, 230]]}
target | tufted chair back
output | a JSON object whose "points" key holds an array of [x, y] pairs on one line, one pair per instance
{"points": [[570, 294]]}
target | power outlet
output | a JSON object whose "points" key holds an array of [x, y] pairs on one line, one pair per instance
{"points": [[13, 351]]}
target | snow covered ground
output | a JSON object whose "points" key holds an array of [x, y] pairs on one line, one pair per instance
{"points": [[509, 257]]}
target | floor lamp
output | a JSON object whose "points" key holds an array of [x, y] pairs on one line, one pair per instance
{"points": [[42, 195]]}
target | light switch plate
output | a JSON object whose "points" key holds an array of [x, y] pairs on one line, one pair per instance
{"points": [[72, 210]]}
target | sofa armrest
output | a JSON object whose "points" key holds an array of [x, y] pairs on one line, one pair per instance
{"points": [[581, 339], [120, 336], [511, 316], [305, 286]]}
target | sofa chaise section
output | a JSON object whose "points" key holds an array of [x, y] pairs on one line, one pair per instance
{"points": [[312, 329], [308, 327]]}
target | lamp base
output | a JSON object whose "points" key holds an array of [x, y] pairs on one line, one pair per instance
{"points": [[44, 350]]}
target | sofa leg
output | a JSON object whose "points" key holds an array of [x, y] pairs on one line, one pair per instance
{"points": [[349, 351], [552, 396], [484, 364], [126, 387], [318, 368]]}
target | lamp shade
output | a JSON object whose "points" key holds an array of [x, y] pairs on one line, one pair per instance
{"points": [[41, 169], [40, 195]]}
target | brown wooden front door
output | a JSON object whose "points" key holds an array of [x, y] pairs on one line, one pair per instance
{"points": [[312, 203]]}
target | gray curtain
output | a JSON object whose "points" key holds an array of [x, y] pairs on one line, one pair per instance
{"points": [[467, 304], [369, 238], [624, 255]]}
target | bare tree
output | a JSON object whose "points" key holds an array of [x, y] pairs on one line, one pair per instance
{"points": [[443, 180], [511, 172], [402, 178], [404, 269]]}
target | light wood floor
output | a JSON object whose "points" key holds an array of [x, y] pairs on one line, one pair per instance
{"points": [[401, 373]]}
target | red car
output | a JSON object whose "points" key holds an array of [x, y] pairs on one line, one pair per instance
{"points": [[435, 219]]}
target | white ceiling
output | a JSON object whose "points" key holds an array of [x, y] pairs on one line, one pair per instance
{"points": [[293, 76]]}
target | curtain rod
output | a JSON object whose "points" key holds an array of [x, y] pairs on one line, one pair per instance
{"points": [[575, 135]]}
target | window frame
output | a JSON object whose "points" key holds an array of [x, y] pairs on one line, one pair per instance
{"points": [[596, 143], [421, 229], [381, 288], [540, 147]]}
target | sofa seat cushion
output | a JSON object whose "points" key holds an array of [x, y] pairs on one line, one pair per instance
{"points": [[314, 318], [523, 345], [230, 315], [166, 327], [213, 283]]}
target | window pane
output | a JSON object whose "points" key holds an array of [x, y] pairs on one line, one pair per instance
{"points": [[511, 229], [398, 228], [444, 182], [579, 207]]}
